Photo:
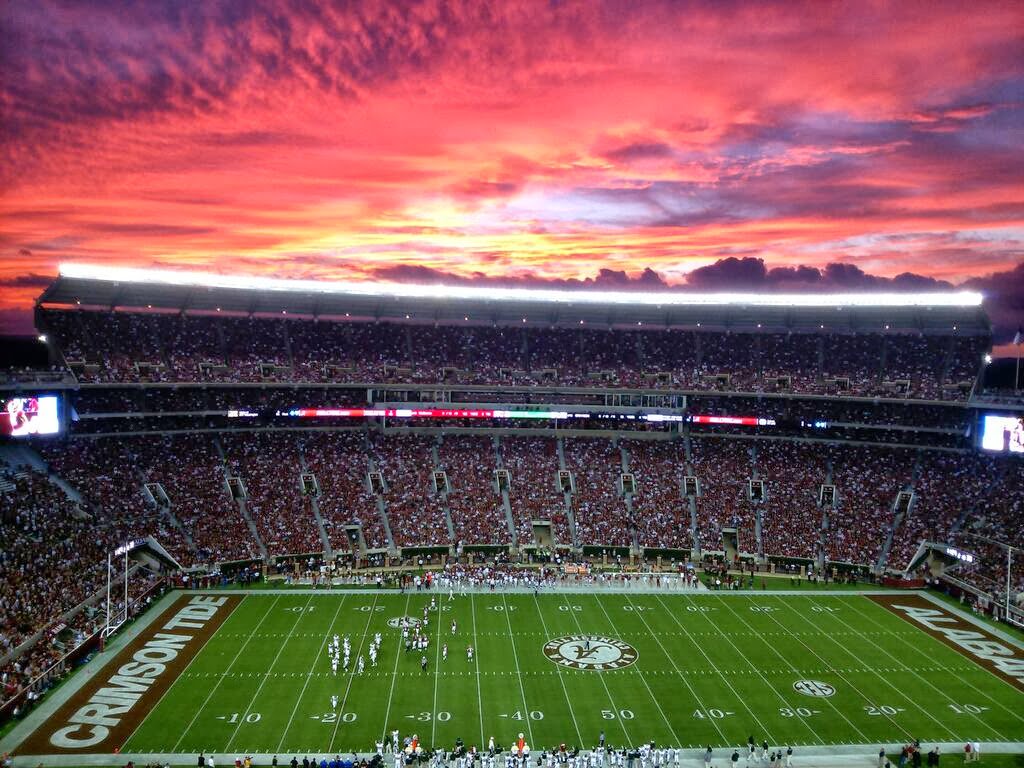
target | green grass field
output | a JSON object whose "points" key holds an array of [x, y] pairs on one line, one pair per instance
{"points": [[708, 669]]}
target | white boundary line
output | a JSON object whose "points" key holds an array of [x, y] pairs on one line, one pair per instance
{"points": [[797, 672], [519, 677], [316, 658], [266, 674], [643, 678], [220, 678], [618, 719]]}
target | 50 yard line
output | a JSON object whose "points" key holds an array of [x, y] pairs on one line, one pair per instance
{"points": [[644, 679]]}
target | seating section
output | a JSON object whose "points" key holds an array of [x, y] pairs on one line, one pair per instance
{"points": [[269, 467], [127, 347], [415, 512], [867, 481], [598, 508], [473, 500], [339, 462], [791, 517], [532, 464], [723, 469], [660, 511]]}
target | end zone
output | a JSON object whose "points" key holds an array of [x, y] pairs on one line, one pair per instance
{"points": [[103, 713]]}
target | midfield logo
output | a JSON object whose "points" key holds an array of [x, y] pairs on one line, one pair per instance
{"points": [[410, 622], [590, 652]]}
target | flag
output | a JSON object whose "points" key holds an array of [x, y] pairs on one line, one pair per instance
{"points": [[1016, 336]]}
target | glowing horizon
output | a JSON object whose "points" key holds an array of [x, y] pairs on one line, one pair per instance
{"points": [[744, 147]]}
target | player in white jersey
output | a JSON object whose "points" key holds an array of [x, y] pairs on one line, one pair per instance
{"points": [[373, 656], [444, 652], [469, 653], [334, 702], [360, 665], [454, 626]]}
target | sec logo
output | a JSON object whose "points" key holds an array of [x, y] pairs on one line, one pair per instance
{"points": [[409, 621], [813, 688], [590, 652]]}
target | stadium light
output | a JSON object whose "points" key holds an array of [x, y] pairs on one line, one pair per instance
{"points": [[487, 293], [42, 337]]}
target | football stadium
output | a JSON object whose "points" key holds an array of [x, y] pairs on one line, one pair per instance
{"points": [[511, 384], [267, 520]]}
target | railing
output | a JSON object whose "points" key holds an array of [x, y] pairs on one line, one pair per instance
{"points": [[39, 684]]}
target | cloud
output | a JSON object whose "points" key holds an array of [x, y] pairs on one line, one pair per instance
{"points": [[30, 280]]}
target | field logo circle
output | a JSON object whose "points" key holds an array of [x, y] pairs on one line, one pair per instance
{"points": [[813, 688], [590, 652], [396, 623]]}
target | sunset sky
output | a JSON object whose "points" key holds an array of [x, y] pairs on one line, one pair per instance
{"points": [[522, 141]]}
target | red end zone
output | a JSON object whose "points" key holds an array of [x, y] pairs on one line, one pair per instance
{"points": [[1002, 659], [104, 712]]}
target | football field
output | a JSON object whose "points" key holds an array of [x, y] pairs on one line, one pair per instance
{"points": [[678, 669]]}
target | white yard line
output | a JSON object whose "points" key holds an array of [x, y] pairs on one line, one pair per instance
{"points": [[316, 658], [352, 674], [751, 664], [220, 679], [885, 681], [785, 661], [608, 693], [255, 696], [926, 681], [920, 652], [476, 659], [519, 677], [565, 691], [643, 677], [177, 679], [394, 673], [437, 669]]}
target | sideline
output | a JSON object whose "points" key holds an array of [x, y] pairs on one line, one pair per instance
{"points": [[839, 756]]}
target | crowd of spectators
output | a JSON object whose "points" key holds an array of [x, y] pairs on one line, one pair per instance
{"points": [[532, 464], [415, 510], [128, 347], [340, 464], [599, 509], [270, 468], [791, 516], [660, 511], [473, 499], [723, 469], [867, 482], [191, 474]]}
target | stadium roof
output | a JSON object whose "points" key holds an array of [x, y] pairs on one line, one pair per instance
{"points": [[127, 288]]}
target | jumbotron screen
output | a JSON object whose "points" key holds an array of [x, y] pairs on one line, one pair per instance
{"points": [[1002, 433], [27, 416]]}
